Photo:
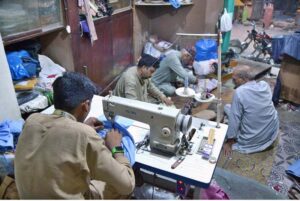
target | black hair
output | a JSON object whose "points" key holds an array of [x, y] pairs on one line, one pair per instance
{"points": [[148, 61], [71, 89]]}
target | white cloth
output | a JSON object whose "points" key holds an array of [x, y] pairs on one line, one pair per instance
{"points": [[204, 67]]}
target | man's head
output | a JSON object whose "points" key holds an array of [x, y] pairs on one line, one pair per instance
{"points": [[73, 93], [147, 65], [241, 75], [187, 56]]}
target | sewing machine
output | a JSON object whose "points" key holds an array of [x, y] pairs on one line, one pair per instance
{"points": [[166, 123]]}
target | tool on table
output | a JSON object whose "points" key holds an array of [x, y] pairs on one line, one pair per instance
{"points": [[179, 160], [206, 145]]}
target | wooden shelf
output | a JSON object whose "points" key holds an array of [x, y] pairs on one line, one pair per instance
{"points": [[140, 3]]}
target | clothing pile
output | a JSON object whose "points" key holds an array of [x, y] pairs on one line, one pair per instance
{"points": [[10, 131]]}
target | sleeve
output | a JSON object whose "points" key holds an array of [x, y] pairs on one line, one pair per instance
{"points": [[130, 88], [154, 91], [117, 173], [177, 67], [234, 117]]}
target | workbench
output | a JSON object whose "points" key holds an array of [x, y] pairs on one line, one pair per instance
{"points": [[193, 170]]}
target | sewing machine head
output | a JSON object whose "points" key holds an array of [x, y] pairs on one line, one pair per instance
{"points": [[165, 123]]}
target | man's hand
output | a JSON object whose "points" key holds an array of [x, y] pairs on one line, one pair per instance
{"points": [[228, 147], [95, 123], [167, 101], [113, 139]]}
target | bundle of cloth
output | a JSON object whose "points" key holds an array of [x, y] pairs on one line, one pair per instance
{"points": [[10, 131]]}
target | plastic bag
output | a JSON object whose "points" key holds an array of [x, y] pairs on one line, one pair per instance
{"points": [[226, 22], [213, 192], [175, 3], [206, 49], [21, 65]]}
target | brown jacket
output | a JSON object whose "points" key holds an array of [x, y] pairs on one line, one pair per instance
{"points": [[58, 157]]}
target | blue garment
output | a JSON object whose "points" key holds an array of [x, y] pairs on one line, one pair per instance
{"points": [[294, 169], [6, 138], [127, 140], [9, 134], [253, 120], [175, 3]]}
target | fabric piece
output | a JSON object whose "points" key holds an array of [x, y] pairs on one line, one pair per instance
{"points": [[253, 120], [132, 86], [204, 67], [294, 169], [214, 191], [127, 140], [175, 3], [47, 173], [90, 21], [6, 138], [171, 67], [291, 46]]}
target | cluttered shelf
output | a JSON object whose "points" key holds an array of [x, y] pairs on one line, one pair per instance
{"points": [[161, 3]]}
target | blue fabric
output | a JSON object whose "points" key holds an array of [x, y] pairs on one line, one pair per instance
{"points": [[9, 133], [277, 48], [127, 140], [175, 3], [294, 169], [6, 138], [292, 45], [16, 126], [125, 122]]}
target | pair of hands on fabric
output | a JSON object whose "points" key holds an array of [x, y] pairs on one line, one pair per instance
{"points": [[113, 138]]}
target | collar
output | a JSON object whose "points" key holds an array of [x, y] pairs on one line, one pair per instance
{"points": [[139, 77], [64, 114]]}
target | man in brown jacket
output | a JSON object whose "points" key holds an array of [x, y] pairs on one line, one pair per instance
{"points": [[60, 157]]}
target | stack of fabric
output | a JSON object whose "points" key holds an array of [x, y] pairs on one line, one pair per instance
{"points": [[9, 134]]}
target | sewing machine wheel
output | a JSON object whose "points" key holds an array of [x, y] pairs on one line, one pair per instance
{"points": [[184, 123]]}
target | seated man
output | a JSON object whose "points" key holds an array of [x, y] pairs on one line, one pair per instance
{"points": [[135, 83], [253, 121], [172, 66], [60, 157]]}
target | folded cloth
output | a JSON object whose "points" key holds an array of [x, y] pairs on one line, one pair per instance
{"points": [[9, 133], [294, 169], [4, 131], [6, 138], [127, 139], [16, 126]]}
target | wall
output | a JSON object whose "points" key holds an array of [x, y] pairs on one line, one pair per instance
{"points": [[9, 108], [57, 46], [165, 21]]}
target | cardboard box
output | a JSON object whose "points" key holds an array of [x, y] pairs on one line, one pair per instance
{"points": [[290, 79]]}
